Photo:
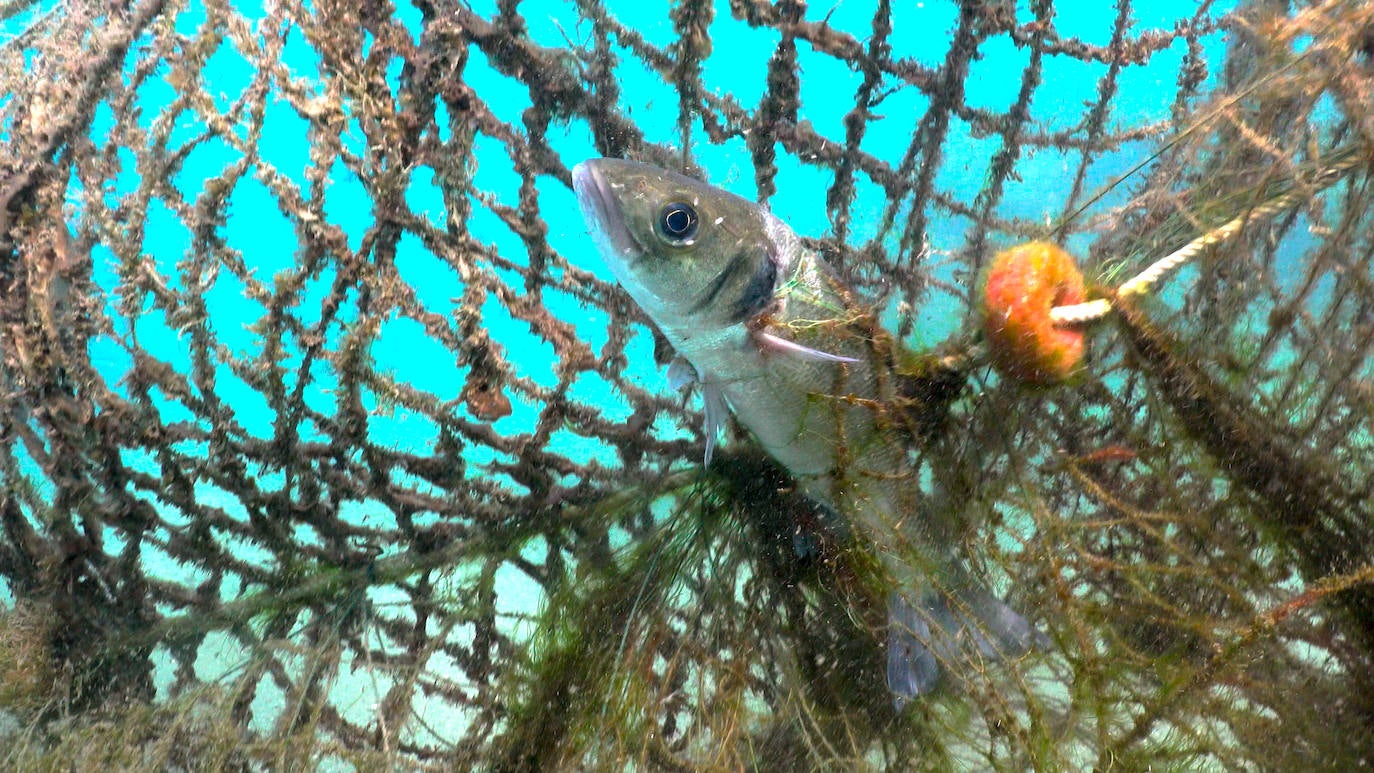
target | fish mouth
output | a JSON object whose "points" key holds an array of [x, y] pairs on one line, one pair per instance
{"points": [[600, 206]]}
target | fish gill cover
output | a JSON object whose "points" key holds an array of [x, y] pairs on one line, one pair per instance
{"points": [[328, 441]]}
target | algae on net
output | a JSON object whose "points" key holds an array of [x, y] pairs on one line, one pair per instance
{"points": [[292, 488]]}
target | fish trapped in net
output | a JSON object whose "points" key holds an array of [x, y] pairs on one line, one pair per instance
{"points": [[768, 332], [1189, 520]]}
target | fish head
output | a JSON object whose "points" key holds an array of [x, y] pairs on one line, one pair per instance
{"points": [[693, 256]]}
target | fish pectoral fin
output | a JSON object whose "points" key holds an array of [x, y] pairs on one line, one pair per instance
{"points": [[783, 346]]}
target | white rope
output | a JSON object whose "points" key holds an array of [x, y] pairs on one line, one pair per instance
{"points": [[1079, 313]]}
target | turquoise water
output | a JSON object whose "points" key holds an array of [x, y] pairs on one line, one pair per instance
{"points": [[265, 240]]}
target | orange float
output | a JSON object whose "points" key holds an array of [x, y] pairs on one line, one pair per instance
{"points": [[1024, 283]]}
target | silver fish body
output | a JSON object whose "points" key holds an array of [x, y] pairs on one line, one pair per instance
{"points": [[769, 331]]}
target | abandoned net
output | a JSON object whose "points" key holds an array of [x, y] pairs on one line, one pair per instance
{"points": [[326, 436]]}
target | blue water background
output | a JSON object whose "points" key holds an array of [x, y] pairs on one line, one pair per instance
{"points": [[267, 239]]}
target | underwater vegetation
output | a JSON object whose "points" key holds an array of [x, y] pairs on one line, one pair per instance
{"points": [[326, 440]]}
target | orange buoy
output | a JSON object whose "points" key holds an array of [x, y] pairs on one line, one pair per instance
{"points": [[1024, 283]]}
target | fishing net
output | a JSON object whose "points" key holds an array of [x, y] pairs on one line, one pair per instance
{"points": [[327, 438]]}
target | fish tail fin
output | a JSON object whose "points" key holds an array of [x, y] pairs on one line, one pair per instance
{"points": [[964, 624]]}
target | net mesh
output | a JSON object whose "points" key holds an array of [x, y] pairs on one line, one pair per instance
{"points": [[325, 436]]}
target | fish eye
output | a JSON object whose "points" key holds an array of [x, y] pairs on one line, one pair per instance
{"points": [[677, 223]]}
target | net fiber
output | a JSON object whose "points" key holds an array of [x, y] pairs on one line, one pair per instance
{"points": [[260, 538]]}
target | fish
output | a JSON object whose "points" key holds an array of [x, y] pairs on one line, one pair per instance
{"points": [[767, 331]]}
